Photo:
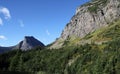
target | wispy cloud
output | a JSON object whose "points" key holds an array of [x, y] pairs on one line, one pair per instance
{"points": [[2, 37], [47, 32], [1, 21], [5, 11], [21, 23]]}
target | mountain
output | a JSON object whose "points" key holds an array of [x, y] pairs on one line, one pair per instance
{"points": [[92, 58], [29, 42], [88, 18], [5, 49], [92, 51]]}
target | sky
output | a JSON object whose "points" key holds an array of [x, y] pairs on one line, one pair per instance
{"points": [[43, 19]]}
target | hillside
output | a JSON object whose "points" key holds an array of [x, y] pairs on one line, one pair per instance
{"points": [[101, 58], [86, 46], [88, 18]]}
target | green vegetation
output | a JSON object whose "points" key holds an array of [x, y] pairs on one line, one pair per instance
{"points": [[72, 41], [92, 58], [84, 59], [94, 6], [105, 34]]}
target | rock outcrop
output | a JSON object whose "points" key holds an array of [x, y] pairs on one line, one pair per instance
{"points": [[89, 17], [29, 42]]}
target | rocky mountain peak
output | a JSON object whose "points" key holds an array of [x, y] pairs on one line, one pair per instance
{"points": [[28, 37], [88, 18], [29, 42]]}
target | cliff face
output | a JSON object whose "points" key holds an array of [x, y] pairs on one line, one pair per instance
{"points": [[89, 17]]}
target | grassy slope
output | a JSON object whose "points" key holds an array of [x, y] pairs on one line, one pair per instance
{"points": [[105, 34], [93, 58], [99, 36]]}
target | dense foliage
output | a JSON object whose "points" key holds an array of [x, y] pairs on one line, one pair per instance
{"points": [[102, 56], [84, 59]]}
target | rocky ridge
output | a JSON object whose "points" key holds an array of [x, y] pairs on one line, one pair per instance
{"points": [[88, 18], [28, 43]]}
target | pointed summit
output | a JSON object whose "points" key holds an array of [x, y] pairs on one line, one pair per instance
{"points": [[29, 42]]}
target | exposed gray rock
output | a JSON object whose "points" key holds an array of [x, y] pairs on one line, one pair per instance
{"points": [[29, 42], [89, 17]]}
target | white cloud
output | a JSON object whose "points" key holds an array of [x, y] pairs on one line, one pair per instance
{"points": [[48, 33], [21, 23], [1, 21], [5, 12], [2, 37]]}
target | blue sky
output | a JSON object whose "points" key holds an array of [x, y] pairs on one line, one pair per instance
{"points": [[43, 19]]}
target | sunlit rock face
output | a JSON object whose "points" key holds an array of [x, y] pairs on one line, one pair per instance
{"points": [[88, 18]]}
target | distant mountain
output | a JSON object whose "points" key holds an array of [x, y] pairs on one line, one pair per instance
{"points": [[5, 49], [28, 43]]}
